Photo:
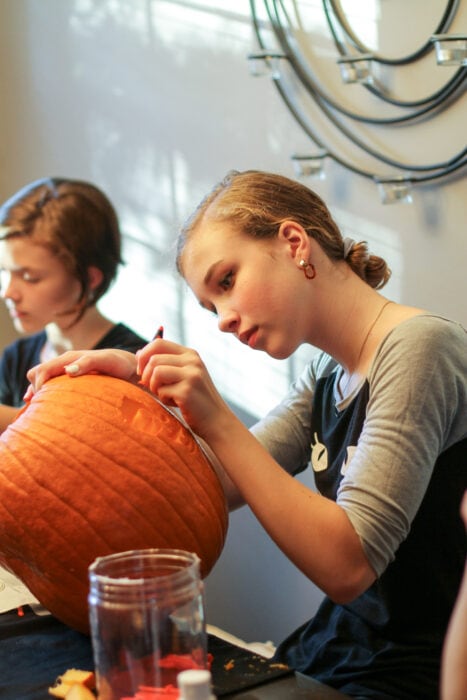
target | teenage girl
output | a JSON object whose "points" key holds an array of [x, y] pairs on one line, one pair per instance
{"points": [[380, 414]]}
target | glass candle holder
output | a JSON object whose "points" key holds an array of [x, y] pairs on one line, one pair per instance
{"points": [[356, 69], [146, 611], [266, 63], [451, 49], [309, 166], [393, 190]]}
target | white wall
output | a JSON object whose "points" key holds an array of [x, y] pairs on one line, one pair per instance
{"points": [[152, 100]]}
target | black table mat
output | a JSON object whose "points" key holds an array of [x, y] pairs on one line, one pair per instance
{"points": [[234, 669], [34, 650]]}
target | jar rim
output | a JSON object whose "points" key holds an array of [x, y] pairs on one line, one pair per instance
{"points": [[179, 564]]}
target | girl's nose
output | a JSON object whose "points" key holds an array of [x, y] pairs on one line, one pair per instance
{"points": [[228, 321]]}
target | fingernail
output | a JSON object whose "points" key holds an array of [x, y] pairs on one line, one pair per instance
{"points": [[72, 369]]}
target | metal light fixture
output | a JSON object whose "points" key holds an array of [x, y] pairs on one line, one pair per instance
{"points": [[265, 63], [451, 49], [394, 189], [356, 69], [301, 85], [309, 165]]}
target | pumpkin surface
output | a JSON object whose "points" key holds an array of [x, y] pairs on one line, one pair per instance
{"points": [[95, 465]]}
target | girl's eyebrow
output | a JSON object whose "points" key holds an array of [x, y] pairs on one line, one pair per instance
{"points": [[210, 271]]}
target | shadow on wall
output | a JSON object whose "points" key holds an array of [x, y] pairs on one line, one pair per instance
{"points": [[254, 592]]}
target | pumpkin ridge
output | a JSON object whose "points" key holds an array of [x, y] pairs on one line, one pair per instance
{"points": [[30, 535], [33, 538], [58, 454], [175, 520], [98, 399], [15, 487], [113, 396], [73, 582], [197, 478], [199, 450], [4, 536], [115, 400]]}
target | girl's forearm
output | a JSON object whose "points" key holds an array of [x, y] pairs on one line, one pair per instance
{"points": [[312, 531]]}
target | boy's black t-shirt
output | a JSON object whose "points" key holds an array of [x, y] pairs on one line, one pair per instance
{"points": [[23, 354]]}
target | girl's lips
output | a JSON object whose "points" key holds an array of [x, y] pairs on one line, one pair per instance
{"points": [[249, 337], [14, 313], [252, 339]]}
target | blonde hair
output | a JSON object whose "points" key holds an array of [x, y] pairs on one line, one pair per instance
{"points": [[258, 202]]}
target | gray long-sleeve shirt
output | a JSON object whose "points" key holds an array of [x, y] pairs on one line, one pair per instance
{"points": [[417, 409]]}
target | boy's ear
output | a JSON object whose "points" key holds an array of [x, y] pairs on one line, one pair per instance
{"points": [[296, 238]]}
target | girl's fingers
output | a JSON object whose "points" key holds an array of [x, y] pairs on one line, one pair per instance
{"points": [[173, 369], [155, 348], [116, 363], [53, 368], [156, 376], [28, 394]]}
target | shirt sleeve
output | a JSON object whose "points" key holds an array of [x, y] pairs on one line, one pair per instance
{"points": [[416, 410], [5, 394], [286, 430]]}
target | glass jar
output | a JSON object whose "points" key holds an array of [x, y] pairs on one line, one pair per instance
{"points": [[147, 620]]}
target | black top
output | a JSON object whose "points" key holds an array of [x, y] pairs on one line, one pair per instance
{"points": [[24, 353], [386, 644]]}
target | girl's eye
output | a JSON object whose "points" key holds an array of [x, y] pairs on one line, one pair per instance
{"points": [[23, 275], [226, 281], [28, 277]]}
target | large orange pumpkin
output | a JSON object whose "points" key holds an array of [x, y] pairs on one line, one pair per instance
{"points": [[95, 465]]}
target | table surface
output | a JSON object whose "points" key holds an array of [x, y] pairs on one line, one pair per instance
{"points": [[35, 650], [293, 687], [240, 673]]}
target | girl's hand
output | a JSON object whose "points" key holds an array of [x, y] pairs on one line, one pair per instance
{"points": [[116, 363], [178, 377]]}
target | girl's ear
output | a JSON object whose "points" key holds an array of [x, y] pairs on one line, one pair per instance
{"points": [[296, 239], [95, 277]]}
